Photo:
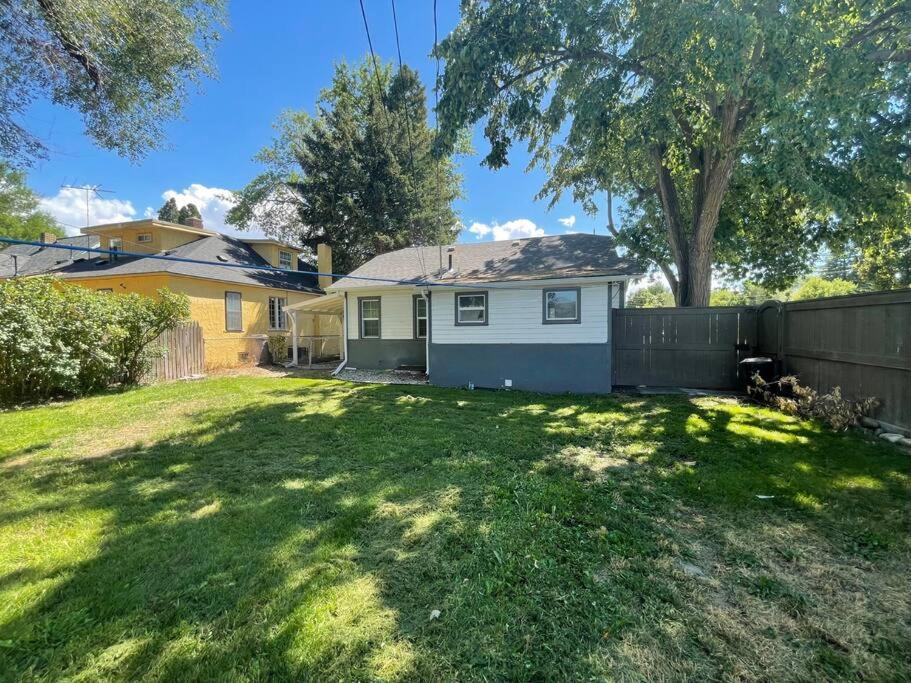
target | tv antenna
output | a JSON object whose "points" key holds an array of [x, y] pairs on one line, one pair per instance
{"points": [[89, 190]]}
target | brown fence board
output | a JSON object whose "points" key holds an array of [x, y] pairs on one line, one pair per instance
{"points": [[691, 347], [184, 354]]}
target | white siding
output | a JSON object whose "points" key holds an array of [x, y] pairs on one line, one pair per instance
{"points": [[395, 313], [515, 317]]}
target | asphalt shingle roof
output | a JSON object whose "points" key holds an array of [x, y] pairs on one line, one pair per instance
{"points": [[558, 256], [33, 260], [214, 249]]}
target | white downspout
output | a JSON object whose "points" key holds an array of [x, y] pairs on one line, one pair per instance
{"points": [[426, 296]]}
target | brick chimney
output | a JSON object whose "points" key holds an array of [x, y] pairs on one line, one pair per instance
{"points": [[324, 264], [194, 222], [48, 238]]}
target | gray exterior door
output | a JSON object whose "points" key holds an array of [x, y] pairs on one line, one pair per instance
{"points": [[698, 348]]}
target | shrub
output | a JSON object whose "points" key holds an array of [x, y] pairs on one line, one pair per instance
{"points": [[61, 340], [278, 348], [791, 397]]}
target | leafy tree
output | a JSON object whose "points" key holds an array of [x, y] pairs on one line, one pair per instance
{"points": [[124, 65], [739, 135], [816, 287], [750, 294], [169, 211], [358, 174], [655, 295], [19, 214], [885, 254], [187, 212]]}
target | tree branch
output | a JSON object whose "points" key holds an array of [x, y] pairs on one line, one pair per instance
{"points": [[72, 48]]}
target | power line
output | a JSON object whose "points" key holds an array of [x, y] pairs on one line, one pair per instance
{"points": [[376, 68], [398, 47]]}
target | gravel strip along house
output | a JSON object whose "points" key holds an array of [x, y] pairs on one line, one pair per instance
{"points": [[529, 314]]}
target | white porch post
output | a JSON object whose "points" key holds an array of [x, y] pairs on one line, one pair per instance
{"points": [[293, 337]]}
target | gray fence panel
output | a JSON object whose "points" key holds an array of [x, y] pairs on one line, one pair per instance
{"points": [[861, 343], [689, 347], [184, 354]]}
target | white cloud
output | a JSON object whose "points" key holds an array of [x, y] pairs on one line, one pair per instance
{"points": [[569, 221], [68, 207], [517, 229]]}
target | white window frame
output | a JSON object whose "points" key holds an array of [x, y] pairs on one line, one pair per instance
{"points": [[361, 319], [144, 238], [283, 252], [239, 312], [458, 309], [277, 313], [547, 320]]}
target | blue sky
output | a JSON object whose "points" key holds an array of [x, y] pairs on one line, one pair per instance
{"points": [[277, 56]]}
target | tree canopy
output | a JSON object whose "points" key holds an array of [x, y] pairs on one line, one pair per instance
{"points": [[20, 217], [358, 174], [124, 65], [169, 211], [740, 136]]}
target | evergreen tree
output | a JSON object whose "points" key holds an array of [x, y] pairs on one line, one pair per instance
{"points": [[358, 174], [169, 211], [187, 212]]}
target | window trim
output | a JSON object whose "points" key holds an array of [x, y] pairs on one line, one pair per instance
{"points": [[283, 318], [486, 320], [141, 235], [414, 316], [360, 317], [240, 299], [290, 258], [561, 321]]}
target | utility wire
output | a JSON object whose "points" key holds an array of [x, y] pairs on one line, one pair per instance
{"points": [[376, 68]]}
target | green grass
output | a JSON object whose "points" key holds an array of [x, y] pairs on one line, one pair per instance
{"points": [[278, 528]]}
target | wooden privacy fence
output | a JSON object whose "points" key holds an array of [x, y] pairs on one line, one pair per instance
{"points": [[184, 354], [861, 343], [685, 347]]}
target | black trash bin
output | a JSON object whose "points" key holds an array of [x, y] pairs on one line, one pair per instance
{"points": [[764, 365]]}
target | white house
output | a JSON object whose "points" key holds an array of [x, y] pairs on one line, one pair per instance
{"points": [[528, 314]]}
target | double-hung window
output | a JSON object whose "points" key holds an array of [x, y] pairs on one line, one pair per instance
{"points": [[284, 259], [471, 308], [369, 318], [144, 238], [420, 317], [277, 312], [562, 305], [233, 314]]}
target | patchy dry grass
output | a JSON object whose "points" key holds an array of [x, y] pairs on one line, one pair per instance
{"points": [[262, 528]]}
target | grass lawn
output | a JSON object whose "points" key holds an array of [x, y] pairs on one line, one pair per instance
{"points": [[277, 528]]}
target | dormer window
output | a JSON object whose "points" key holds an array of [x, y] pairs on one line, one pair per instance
{"points": [[284, 259]]}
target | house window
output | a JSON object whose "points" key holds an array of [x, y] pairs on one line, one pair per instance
{"points": [[284, 259], [420, 317], [233, 314], [144, 237], [562, 305], [370, 318], [115, 244], [277, 312], [471, 308], [105, 290]]}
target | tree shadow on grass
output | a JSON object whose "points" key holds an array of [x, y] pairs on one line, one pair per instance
{"points": [[313, 533]]}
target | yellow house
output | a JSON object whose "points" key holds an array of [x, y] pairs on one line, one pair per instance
{"points": [[237, 307]]}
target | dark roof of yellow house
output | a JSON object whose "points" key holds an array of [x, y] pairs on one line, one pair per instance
{"points": [[214, 249]]}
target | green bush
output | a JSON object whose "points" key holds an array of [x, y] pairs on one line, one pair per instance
{"points": [[278, 348], [60, 340]]}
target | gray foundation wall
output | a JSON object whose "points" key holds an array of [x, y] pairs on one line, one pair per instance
{"points": [[386, 354], [549, 368]]}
